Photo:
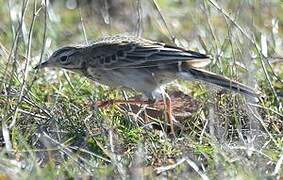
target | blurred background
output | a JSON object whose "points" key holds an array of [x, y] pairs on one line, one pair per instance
{"points": [[49, 127]]}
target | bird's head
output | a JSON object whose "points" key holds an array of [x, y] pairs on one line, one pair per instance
{"points": [[66, 57]]}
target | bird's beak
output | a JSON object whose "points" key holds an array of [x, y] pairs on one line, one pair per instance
{"points": [[42, 65]]}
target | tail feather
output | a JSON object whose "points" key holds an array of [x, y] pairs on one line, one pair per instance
{"points": [[219, 80]]}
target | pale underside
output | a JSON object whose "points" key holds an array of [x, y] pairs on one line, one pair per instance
{"points": [[139, 64]]}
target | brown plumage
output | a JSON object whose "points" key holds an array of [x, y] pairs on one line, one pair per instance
{"points": [[140, 64]]}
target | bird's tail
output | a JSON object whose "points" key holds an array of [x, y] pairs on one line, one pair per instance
{"points": [[190, 73]]}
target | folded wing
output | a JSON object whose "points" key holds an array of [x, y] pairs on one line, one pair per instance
{"points": [[142, 53]]}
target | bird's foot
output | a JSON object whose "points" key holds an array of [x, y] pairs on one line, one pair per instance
{"points": [[105, 104]]}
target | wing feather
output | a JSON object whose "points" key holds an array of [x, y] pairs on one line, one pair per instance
{"points": [[133, 53]]}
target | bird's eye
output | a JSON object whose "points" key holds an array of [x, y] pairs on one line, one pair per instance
{"points": [[63, 59]]}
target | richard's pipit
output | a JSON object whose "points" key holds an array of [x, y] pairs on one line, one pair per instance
{"points": [[140, 64]]}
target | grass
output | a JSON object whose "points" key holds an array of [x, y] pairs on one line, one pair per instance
{"points": [[49, 128]]}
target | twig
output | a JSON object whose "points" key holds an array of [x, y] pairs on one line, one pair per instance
{"points": [[43, 42], [6, 137], [69, 153], [173, 166], [28, 55], [89, 152], [83, 26], [203, 130], [185, 159], [114, 159], [13, 51], [67, 77], [278, 165], [32, 114], [15, 42], [251, 149], [195, 167], [139, 27], [263, 125], [208, 19], [173, 38], [269, 109], [129, 108]]}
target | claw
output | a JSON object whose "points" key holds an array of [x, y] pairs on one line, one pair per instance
{"points": [[104, 104]]}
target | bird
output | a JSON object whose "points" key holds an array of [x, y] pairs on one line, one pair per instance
{"points": [[143, 65]]}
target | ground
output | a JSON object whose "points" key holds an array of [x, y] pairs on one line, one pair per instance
{"points": [[50, 127]]}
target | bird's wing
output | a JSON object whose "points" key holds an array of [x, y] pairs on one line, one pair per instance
{"points": [[142, 53]]}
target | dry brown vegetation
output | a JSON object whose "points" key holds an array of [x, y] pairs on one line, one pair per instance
{"points": [[50, 129]]}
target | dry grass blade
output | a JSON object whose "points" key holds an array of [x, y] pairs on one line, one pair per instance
{"points": [[51, 129], [252, 40], [27, 63], [278, 167]]}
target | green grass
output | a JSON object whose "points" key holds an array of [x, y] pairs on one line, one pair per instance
{"points": [[55, 131]]}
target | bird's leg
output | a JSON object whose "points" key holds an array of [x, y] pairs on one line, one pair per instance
{"points": [[169, 112], [168, 107], [104, 104]]}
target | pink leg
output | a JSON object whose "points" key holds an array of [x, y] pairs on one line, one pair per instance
{"points": [[169, 113], [104, 104], [168, 104]]}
